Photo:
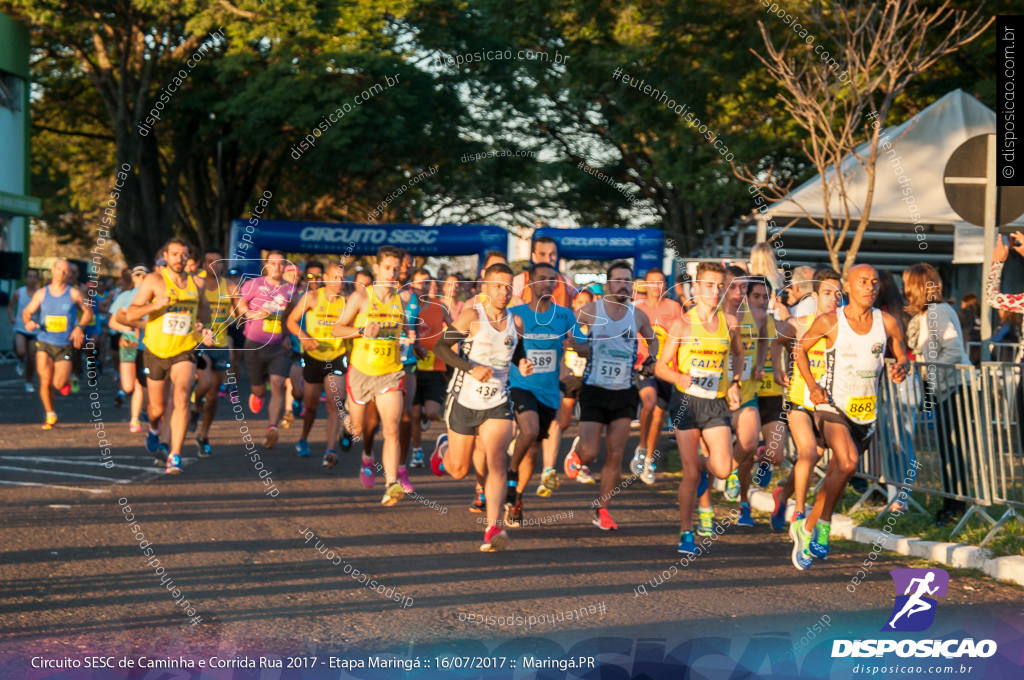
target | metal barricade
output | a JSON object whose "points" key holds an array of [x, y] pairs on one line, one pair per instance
{"points": [[1000, 427]]}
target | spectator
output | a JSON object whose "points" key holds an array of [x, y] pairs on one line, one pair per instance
{"points": [[970, 322], [1008, 333], [938, 339], [799, 295], [1006, 302]]}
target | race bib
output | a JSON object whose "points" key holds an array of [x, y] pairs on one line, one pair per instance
{"points": [[609, 369], [272, 325], [426, 363], [861, 408], [380, 352], [748, 367], [56, 324], [575, 363], [488, 390], [767, 382], [176, 323], [704, 383], [543, 360]]}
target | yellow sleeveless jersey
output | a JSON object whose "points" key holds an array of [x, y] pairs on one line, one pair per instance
{"points": [[319, 321], [799, 395], [748, 333], [171, 331], [705, 356], [768, 387], [379, 356], [220, 310]]}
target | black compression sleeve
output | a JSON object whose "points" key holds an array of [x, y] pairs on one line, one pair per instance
{"points": [[519, 353], [443, 350]]}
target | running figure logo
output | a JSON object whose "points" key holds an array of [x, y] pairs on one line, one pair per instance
{"points": [[915, 605]]}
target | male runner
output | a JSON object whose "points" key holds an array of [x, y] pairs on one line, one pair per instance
{"points": [[544, 250], [293, 387], [478, 409], [845, 398], [431, 384], [130, 349], [746, 421], [654, 392], [536, 397], [799, 407], [571, 374], [213, 361], [264, 304], [24, 342], [609, 395], [700, 346], [410, 292], [323, 364], [58, 338], [375, 317], [770, 401], [177, 316]]}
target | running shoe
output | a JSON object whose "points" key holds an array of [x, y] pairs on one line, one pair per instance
{"points": [[173, 465], [514, 513], [799, 517], [636, 466], [346, 440], [819, 542], [584, 477], [649, 477], [330, 459], [152, 441], [417, 458], [270, 437], [65, 391], [802, 557], [392, 495], [366, 472], [573, 464], [161, 456], [778, 517], [119, 399], [424, 424], [479, 503], [687, 546], [603, 520], [548, 483], [203, 448], [297, 408], [222, 393], [193, 421], [763, 473], [732, 486], [29, 388], [51, 420], [286, 420], [745, 519], [705, 521], [255, 403], [135, 425], [302, 448], [20, 370], [437, 457], [704, 483], [403, 479], [495, 538], [74, 385]]}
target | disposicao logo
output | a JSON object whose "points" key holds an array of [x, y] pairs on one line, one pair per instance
{"points": [[914, 611]]}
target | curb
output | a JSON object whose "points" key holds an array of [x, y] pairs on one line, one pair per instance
{"points": [[1009, 569]]}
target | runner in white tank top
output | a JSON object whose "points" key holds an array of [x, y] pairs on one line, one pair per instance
{"points": [[478, 409], [609, 397], [846, 398]]}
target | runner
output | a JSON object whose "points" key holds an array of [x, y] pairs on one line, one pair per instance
{"points": [[430, 371], [770, 401], [700, 346], [24, 342], [323, 364], [571, 374], [375, 318], [177, 315], [845, 397], [58, 338], [130, 348], [293, 387], [544, 250], [799, 408], [609, 396], [478, 409], [746, 421], [410, 352], [535, 397], [213, 361], [654, 392], [264, 303]]}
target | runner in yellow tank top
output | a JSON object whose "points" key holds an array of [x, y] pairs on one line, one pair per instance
{"points": [[770, 402], [375, 318], [323, 366], [214, 361], [696, 360], [177, 316], [827, 295]]}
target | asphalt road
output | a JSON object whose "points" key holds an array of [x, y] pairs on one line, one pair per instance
{"points": [[73, 578]]}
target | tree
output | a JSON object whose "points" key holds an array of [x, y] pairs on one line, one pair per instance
{"points": [[880, 48]]}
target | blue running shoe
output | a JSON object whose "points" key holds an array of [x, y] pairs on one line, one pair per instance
{"points": [[763, 474], [303, 449], [819, 542], [152, 441], [687, 546], [802, 557], [173, 465], [704, 483], [732, 486], [793, 522], [778, 517], [296, 408], [745, 519], [346, 440]]}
